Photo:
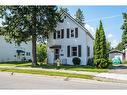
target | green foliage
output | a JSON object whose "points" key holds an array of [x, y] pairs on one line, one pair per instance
{"points": [[90, 62], [124, 28], [61, 10], [108, 46], [120, 46], [79, 16], [41, 52], [25, 23], [76, 61], [100, 48]]}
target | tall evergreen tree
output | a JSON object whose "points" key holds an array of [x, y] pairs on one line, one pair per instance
{"points": [[25, 23], [100, 49], [124, 28], [80, 17], [103, 49]]}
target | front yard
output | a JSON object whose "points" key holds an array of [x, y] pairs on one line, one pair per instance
{"points": [[47, 66]]}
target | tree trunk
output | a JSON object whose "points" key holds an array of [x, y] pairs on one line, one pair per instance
{"points": [[34, 55]]}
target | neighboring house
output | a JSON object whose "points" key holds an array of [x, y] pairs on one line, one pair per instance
{"points": [[12, 52], [116, 54], [70, 40]]}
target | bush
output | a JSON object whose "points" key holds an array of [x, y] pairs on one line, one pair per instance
{"points": [[90, 62], [103, 63], [41, 52], [76, 61]]}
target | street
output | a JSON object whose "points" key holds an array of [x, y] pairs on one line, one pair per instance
{"points": [[29, 81]]}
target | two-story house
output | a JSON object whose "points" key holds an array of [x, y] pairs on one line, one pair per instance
{"points": [[70, 40]]}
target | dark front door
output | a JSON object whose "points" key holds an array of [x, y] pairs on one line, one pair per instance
{"points": [[56, 53]]}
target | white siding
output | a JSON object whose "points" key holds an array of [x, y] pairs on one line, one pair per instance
{"points": [[81, 40], [8, 51]]}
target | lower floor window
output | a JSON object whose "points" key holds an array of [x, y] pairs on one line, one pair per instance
{"points": [[74, 51]]}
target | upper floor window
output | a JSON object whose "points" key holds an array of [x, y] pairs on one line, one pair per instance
{"points": [[58, 34], [72, 33]]}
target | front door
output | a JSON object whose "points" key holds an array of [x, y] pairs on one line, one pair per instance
{"points": [[56, 53]]}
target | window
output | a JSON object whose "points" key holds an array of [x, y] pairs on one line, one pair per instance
{"points": [[62, 33], [74, 51], [27, 53], [68, 33], [72, 33], [88, 51], [76, 32], [58, 34]]}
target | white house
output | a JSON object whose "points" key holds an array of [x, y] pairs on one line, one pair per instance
{"points": [[12, 52], [70, 40]]}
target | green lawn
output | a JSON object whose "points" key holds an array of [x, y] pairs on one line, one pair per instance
{"points": [[65, 67], [22, 64], [42, 72]]}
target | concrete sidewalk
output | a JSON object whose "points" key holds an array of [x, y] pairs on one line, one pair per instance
{"points": [[107, 76]]}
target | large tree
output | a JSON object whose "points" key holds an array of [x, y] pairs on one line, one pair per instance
{"points": [[120, 46], [62, 9], [79, 16], [124, 28], [100, 48], [25, 23]]}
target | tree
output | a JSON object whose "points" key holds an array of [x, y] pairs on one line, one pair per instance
{"points": [[124, 28], [79, 16], [61, 10], [108, 46], [25, 23], [41, 52], [120, 46], [100, 48]]}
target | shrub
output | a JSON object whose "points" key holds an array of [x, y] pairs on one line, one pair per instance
{"points": [[90, 62], [76, 61], [41, 52]]}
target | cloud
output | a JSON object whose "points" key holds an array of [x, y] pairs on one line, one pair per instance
{"points": [[114, 43], [90, 29], [109, 36]]}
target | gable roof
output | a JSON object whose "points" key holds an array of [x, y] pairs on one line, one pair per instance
{"points": [[80, 25]]}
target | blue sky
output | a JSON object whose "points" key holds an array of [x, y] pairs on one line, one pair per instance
{"points": [[111, 17]]}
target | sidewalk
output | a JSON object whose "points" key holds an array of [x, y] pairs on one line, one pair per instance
{"points": [[100, 76]]}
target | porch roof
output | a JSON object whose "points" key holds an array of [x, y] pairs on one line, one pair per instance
{"points": [[56, 46]]}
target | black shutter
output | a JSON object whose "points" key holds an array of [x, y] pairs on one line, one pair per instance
{"points": [[79, 50], [76, 32], [68, 32], [62, 33], [68, 51], [54, 35]]}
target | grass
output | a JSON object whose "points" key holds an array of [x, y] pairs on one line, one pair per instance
{"points": [[22, 64], [65, 67], [42, 72]]}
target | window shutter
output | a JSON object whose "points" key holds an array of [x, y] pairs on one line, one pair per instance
{"points": [[76, 32], [68, 32], [62, 33], [68, 51], [54, 35], [79, 50]]}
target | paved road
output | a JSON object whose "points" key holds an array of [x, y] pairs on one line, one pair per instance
{"points": [[29, 81]]}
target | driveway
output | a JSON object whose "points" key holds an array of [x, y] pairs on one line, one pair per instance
{"points": [[29, 81], [119, 69]]}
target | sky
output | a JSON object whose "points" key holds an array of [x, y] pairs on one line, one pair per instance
{"points": [[111, 17]]}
